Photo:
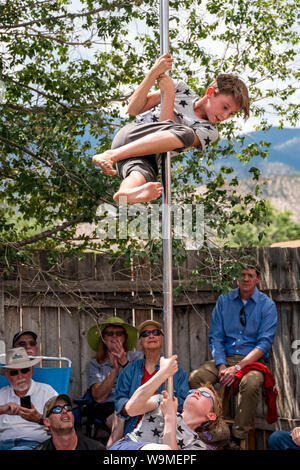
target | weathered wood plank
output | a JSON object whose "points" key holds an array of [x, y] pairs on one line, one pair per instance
{"points": [[11, 325], [31, 320], [86, 266], [86, 322], [181, 330], [70, 347], [200, 317], [283, 367], [50, 334]]}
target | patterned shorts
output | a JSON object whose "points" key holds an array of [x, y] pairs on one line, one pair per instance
{"points": [[147, 164]]}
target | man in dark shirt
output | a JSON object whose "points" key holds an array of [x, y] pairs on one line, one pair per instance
{"points": [[58, 417]]}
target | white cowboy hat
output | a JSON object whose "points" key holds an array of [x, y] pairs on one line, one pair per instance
{"points": [[17, 358]]}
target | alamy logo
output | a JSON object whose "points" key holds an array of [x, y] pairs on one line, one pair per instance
{"points": [[296, 354], [138, 221]]}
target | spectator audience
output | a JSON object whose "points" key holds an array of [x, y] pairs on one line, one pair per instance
{"points": [[59, 419], [140, 371], [21, 425], [162, 427], [242, 330]]}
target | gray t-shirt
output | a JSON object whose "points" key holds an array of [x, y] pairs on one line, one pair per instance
{"points": [[184, 114], [98, 372], [151, 427]]}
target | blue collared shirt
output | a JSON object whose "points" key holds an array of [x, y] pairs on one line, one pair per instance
{"points": [[130, 379], [228, 336]]}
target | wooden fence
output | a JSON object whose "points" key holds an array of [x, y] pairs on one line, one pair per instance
{"points": [[93, 288]]}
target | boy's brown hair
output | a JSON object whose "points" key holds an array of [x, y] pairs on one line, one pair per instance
{"points": [[229, 84]]}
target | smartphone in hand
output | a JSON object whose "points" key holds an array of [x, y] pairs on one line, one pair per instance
{"points": [[25, 401]]}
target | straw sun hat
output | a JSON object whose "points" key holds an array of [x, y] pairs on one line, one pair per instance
{"points": [[17, 358], [96, 331]]}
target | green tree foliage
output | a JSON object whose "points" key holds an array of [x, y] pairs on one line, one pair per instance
{"points": [[69, 69], [275, 227]]}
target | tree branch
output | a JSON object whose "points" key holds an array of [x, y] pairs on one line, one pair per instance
{"points": [[53, 38], [112, 6], [26, 150], [47, 233]]}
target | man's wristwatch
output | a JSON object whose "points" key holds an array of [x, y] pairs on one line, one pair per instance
{"points": [[237, 367]]}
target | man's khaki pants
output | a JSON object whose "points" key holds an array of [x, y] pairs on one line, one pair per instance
{"points": [[248, 394]]}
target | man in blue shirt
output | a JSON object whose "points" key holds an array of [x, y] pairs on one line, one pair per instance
{"points": [[242, 330]]}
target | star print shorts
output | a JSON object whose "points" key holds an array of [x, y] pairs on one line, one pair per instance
{"points": [[147, 165], [127, 444]]}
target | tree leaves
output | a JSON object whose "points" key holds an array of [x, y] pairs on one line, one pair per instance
{"points": [[69, 72]]}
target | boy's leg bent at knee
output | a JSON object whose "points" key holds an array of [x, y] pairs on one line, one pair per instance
{"points": [[184, 133], [140, 167]]}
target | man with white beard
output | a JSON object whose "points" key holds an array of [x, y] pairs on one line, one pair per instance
{"points": [[22, 403]]}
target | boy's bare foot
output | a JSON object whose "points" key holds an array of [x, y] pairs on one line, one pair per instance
{"points": [[106, 162], [146, 192]]}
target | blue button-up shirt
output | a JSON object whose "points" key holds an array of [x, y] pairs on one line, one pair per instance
{"points": [[228, 336], [130, 379]]}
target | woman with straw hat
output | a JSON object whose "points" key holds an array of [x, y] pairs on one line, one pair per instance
{"points": [[114, 341]]}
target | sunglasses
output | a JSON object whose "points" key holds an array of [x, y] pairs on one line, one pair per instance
{"points": [[146, 333], [16, 371], [22, 344], [56, 410], [114, 333], [205, 394], [242, 316]]}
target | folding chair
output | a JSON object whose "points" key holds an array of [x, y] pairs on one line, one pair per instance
{"points": [[57, 377], [84, 415]]}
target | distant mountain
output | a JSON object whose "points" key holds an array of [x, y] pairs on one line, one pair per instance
{"points": [[282, 191], [283, 158], [280, 171]]}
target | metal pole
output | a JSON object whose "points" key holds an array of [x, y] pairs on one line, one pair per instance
{"points": [[166, 215]]}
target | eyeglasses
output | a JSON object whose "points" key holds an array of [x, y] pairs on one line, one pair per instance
{"points": [[205, 394], [56, 410], [146, 333], [16, 371], [114, 333], [22, 344], [243, 316]]}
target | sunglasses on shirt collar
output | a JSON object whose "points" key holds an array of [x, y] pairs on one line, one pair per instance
{"points": [[243, 316]]}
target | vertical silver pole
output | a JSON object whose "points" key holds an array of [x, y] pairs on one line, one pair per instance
{"points": [[166, 215]]}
